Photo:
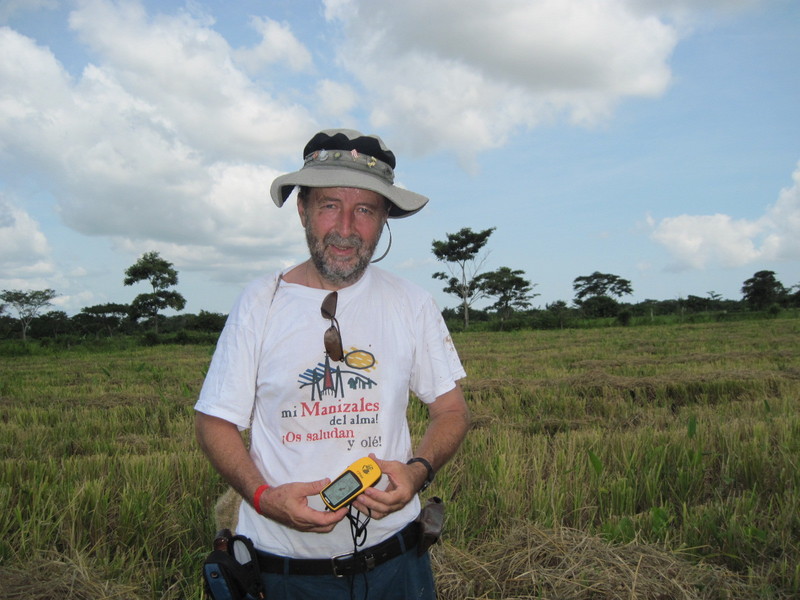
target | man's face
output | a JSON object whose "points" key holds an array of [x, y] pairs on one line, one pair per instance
{"points": [[343, 226]]}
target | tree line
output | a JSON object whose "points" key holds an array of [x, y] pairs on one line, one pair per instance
{"points": [[598, 296], [142, 315]]}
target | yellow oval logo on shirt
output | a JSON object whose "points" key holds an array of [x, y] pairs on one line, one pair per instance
{"points": [[359, 359]]}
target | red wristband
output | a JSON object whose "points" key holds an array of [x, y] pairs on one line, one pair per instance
{"points": [[257, 497]]}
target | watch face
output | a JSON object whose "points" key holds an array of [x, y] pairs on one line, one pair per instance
{"points": [[340, 490]]}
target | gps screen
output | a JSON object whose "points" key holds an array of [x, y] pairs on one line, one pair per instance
{"points": [[338, 491]]}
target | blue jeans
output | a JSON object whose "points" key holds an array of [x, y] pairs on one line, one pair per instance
{"points": [[407, 577]]}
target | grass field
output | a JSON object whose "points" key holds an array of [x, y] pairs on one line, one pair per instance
{"points": [[648, 462]]}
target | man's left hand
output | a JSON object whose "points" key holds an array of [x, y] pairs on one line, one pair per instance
{"points": [[403, 485]]}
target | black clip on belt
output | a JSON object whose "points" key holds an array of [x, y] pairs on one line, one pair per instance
{"points": [[345, 564]]}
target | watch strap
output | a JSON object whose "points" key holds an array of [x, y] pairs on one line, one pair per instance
{"points": [[427, 465]]}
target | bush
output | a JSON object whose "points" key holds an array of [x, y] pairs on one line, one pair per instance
{"points": [[12, 348], [151, 338], [624, 317]]}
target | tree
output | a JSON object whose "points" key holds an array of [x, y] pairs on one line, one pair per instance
{"points": [[107, 316], [559, 310], [207, 321], [161, 275], [594, 293], [27, 305], [793, 295], [52, 324], [510, 289], [462, 249], [696, 304], [762, 290], [600, 284]]}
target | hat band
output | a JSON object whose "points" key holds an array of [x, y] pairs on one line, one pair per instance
{"points": [[350, 159]]}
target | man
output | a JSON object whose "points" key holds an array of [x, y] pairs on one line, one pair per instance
{"points": [[318, 360]]}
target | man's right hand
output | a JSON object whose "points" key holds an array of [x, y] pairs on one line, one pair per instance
{"points": [[288, 505]]}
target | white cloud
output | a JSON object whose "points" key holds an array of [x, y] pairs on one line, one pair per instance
{"points": [[410, 264], [185, 70], [28, 260], [468, 76], [335, 99], [278, 45], [782, 222], [688, 10], [701, 241], [231, 230], [162, 141], [24, 251], [8, 8], [79, 300]]}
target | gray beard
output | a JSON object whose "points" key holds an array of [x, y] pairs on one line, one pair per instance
{"points": [[332, 272]]}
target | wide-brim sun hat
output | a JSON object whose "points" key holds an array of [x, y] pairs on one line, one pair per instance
{"points": [[348, 158]]}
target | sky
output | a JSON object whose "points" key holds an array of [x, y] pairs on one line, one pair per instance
{"points": [[656, 140]]}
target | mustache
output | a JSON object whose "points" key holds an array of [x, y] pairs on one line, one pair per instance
{"points": [[335, 239]]}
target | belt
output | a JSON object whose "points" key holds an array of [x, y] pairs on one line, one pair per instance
{"points": [[344, 564]]}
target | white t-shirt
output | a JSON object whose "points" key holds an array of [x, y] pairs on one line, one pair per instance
{"points": [[312, 416]]}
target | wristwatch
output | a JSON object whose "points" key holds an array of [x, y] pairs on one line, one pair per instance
{"points": [[429, 478]]}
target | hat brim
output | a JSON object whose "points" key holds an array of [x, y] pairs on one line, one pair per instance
{"points": [[404, 203]]}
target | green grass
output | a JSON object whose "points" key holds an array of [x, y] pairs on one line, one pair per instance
{"points": [[684, 440]]}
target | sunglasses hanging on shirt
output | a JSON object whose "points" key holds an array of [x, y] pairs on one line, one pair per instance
{"points": [[333, 337]]}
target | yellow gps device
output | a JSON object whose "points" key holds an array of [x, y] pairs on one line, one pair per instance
{"points": [[362, 474]]}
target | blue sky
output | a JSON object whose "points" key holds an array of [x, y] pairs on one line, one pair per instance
{"points": [[655, 140]]}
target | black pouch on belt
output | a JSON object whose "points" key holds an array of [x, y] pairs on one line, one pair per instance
{"points": [[231, 571], [431, 522]]}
